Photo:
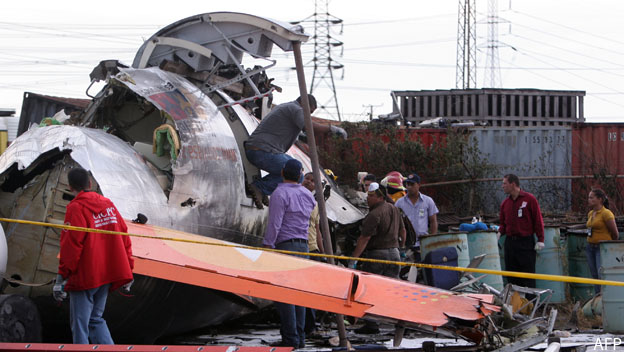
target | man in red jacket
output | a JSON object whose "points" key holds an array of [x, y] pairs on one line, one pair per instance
{"points": [[91, 264]]}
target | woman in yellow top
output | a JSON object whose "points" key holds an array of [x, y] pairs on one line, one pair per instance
{"points": [[601, 227]]}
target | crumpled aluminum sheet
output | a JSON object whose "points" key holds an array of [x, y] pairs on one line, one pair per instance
{"points": [[209, 130], [121, 172], [209, 167]]}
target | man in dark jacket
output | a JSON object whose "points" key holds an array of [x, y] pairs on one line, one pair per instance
{"points": [[91, 264]]}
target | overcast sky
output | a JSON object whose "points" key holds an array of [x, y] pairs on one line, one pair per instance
{"points": [[49, 47]]}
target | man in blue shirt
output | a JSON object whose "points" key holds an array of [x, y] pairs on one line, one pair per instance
{"points": [[419, 208], [287, 229]]}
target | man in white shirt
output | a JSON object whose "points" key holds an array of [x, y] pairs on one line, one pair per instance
{"points": [[419, 208]]}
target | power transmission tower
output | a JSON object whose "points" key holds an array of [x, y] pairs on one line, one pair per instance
{"points": [[322, 84], [466, 70], [492, 77]]}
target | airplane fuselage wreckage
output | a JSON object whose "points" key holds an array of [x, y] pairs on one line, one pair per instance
{"points": [[165, 138]]}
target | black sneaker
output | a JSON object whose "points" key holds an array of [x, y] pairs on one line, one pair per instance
{"points": [[256, 195], [265, 200]]}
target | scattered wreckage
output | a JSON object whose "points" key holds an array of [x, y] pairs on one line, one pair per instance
{"points": [[165, 138], [162, 144]]}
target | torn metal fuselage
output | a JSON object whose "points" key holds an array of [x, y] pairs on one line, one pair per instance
{"points": [[165, 142]]}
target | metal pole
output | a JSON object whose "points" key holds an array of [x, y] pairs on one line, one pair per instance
{"points": [[342, 333]]}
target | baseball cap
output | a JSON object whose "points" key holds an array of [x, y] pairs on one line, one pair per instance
{"points": [[412, 178], [373, 188], [293, 167]]}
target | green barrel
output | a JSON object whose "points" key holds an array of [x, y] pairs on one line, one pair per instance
{"points": [[457, 240], [577, 265], [485, 242], [552, 260], [612, 268]]}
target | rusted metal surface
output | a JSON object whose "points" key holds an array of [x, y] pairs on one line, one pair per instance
{"points": [[496, 107], [529, 151], [37, 106], [457, 240], [486, 242], [553, 260], [577, 264], [598, 149]]}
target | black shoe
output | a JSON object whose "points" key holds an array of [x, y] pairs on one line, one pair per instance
{"points": [[265, 200], [366, 329], [256, 195]]}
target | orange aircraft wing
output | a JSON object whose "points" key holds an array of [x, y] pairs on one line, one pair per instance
{"points": [[298, 281]]}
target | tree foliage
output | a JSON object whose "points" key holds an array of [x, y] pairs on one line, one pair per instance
{"points": [[377, 149]]}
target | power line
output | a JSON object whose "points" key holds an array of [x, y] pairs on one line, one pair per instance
{"points": [[63, 33], [569, 72], [583, 78], [571, 40], [567, 27], [588, 68], [413, 19], [420, 42], [550, 45]]}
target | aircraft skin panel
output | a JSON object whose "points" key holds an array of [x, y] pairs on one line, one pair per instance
{"points": [[296, 280]]}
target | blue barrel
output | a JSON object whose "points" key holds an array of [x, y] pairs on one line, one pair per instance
{"points": [[612, 268], [552, 260], [457, 240], [486, 243], [577, 266]]}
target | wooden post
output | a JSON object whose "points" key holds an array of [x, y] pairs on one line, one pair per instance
{"points": [[342, 332]]}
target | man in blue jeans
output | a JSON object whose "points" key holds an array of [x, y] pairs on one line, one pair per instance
{"points": [[91, 264], [287, 229], [267, 146]]}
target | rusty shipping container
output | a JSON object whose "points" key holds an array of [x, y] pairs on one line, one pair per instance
{"points": [[35, 107], [528, 151], [598, 150]]}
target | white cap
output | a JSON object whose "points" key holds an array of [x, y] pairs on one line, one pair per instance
{"points": [[373, 187]]}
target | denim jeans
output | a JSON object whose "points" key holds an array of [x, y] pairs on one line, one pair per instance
{"points": [[292, 317], [270, 162], [593, 259], [85, 315]]}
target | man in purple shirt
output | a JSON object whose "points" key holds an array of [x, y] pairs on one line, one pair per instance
{"points": [[289, 217]]}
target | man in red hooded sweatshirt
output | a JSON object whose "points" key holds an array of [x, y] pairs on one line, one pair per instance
{"points": [[91, 264]]}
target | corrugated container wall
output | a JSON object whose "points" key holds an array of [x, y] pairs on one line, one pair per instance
{"points": [[598, 150], [35, 107], [528, 151]]}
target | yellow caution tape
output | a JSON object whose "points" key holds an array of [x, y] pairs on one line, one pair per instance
{"points": [[561, 278]]}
